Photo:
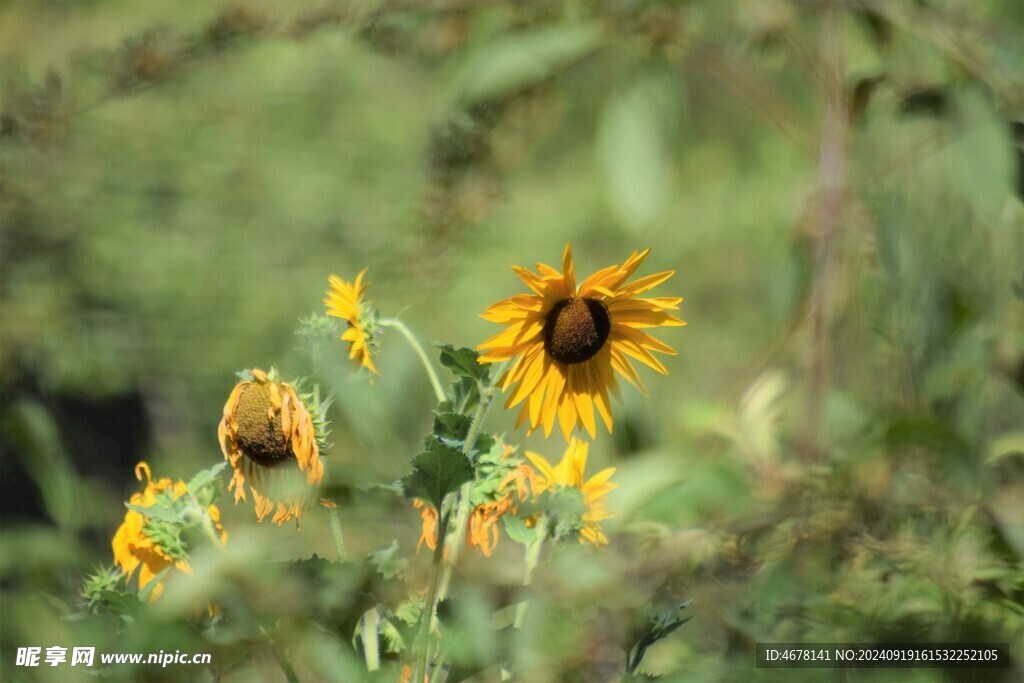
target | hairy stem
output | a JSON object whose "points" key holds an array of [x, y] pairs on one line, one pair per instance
{"points": [[334, 521], [430, 606], [831, 178], [435, 381], [280, 656], [532, 559], [487, 394]]}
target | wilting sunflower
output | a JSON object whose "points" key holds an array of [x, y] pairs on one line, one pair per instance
{"points": [[568, 341], [345, 300], [135, 549], [568, 474], [272, 437], [481, 531]]}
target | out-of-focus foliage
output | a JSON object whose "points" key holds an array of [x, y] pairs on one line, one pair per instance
{"points": [[836, 456]]}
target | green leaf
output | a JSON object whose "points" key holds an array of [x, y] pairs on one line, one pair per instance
{"points": [[463, 362], [437, 472], [981, 158], [514, 62], [1005, 444], [518, 531], [634, 150], [653, 626], [464, 395], [204, 478], [484, 444], [388, 562], [156, 512], [451, 428]]}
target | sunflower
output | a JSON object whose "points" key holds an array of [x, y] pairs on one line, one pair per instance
{"points": [[273, 442], [481, 531], [568, 474], [345, 300], [135, 549], [568, 341]]}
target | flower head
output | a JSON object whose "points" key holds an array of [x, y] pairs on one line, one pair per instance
{"points": [[481, 531], [345, 300], [137, 545], [272, 437], [569, 340], [567, 475]]}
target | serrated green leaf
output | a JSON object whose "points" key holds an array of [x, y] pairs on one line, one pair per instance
{"points": [[393, 640], [463, 362], [410, 610], [451, 427], [437, 472], [464, 395], [204, 478], [157, 512]]}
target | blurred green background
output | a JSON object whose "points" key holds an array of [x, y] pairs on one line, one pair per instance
{"points": [[837, 453]]}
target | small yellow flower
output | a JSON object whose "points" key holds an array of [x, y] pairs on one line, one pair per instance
{"points": [[568, 341], [133, 549], [569, 474], [345, 300], [271, 440]]}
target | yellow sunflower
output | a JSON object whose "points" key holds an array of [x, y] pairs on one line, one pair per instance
{"points": [[273, 443], [134, 549], [345, 300], [568, 341], [569, 474]]}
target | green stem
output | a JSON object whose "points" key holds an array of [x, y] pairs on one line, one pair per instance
{"points": [[280, 657], [371, 644], [462, 514], [441, 572], [334, 521], [430, 606], [435, 381], [532, 559]]}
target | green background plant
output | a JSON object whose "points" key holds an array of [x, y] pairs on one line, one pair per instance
{"points": [[836, 454]]}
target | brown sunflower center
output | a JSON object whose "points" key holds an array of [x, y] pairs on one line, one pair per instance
{"points": [[260, 433], [576, 329]]}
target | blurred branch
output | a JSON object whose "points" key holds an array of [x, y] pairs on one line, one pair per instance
{"points": [[149, 65], [751, 87], [831, 180], [955, 34]]}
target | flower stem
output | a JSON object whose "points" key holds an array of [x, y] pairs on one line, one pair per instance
{"points": [[435, 381], [487, 394], [280, 656], [334, 521], [441, 572], [430, 606], [532, 559]]}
